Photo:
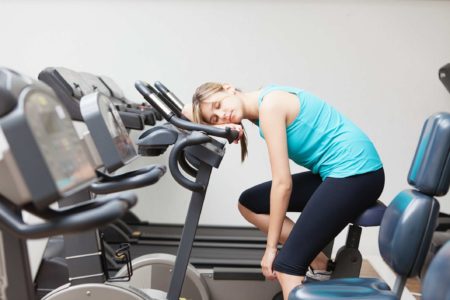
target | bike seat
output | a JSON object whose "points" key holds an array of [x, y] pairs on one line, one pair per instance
{"points": [[371, 216]]}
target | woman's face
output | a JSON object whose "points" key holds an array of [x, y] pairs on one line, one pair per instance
{"points": [[222, 108]]}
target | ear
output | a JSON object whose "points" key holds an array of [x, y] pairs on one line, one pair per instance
{"points": [[229, 88]]}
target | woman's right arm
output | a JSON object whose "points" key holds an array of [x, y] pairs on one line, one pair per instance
{"points": [[273, 124], [187, 112]]}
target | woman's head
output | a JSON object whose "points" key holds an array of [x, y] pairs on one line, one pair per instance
{"points": [[215, 104]]}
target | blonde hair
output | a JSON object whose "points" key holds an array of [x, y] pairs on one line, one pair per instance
{"points": [[202, 93]]}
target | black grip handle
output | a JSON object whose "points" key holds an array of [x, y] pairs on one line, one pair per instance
{"points": [[151, 95], [108, 212], [132, 120], [130, 180], [195, 138], [226, 133], [186, 166], [161, 87], [170, 99]]}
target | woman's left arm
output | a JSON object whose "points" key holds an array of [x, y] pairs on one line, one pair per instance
{"points": [[272, 118]]}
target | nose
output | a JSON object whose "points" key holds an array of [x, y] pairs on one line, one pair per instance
{"points": [[222, 115], [226, 117]]}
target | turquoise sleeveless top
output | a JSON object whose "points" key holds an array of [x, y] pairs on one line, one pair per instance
{"points": [[323, 140]]}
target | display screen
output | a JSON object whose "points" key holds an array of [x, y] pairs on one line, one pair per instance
{"points": [[117, 129], [58, 141]]}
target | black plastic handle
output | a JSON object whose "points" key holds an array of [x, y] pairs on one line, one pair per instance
{"points": [[195, 138], [127, 181], [151, 95], [51, 213], [107, 212], [186, 166], [170, 99], [227, 133], [132, 120]]}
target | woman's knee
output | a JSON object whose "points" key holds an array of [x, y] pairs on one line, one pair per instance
{"points": [[244, 199], [250, 201], [245, 212]]}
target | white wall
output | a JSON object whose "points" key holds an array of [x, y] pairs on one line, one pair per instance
{"points": [[376, 61]]}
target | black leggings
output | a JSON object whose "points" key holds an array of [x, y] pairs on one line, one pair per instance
{"points": [[327, 207]]}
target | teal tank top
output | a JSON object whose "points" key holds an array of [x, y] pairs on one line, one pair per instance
{"points": [[323, 140]]}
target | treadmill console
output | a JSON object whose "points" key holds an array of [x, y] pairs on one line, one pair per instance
{"points": [[41, 153], [59, 143], [107, 130]]}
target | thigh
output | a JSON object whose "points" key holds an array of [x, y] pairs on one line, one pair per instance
{"points": [[334, 204], [304, 185], [257, 198]]}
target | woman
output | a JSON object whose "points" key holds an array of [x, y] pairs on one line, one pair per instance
{"points": [[346, 175]]}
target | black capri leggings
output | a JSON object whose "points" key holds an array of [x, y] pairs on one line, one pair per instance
{"points": [[327, 207]]}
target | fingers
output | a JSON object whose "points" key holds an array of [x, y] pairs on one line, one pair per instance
{"points": [[269, 273], [238, 128], [267, 262], [235, 127]]}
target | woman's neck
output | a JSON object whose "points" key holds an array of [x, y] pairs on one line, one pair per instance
{"points": [[250, 103]]}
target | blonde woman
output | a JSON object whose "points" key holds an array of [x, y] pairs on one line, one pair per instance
{"points": [[346, 174]]}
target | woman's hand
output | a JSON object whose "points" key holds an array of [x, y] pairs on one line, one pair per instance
{"points": [[236, 127], [267, 262]]}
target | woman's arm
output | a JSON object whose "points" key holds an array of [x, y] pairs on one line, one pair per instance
{"points": [[273, 116], [187, 112]]}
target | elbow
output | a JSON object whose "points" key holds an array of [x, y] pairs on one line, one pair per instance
{"points": [[282, 186]]}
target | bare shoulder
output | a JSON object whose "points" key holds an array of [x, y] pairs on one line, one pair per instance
{"points": [[281, 102]]}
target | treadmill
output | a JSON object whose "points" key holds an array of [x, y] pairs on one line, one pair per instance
{"points": [[34, 124], [71, 86], [226, 265]]}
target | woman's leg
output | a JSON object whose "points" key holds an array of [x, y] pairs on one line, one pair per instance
{"points": [[288, 283], [254, 205], [261, 221], [337, 202]]}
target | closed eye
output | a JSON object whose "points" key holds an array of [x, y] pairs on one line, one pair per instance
{"points": [[213, 119]]}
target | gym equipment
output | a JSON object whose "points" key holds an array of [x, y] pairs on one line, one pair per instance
{"points": [[444, 76], [69, 85], [408, 223], [207, 256], [207, 155], [442, 234], [161, 264], [221, 282], [108, 132], [35, 125], [87, 83], [436, 282]]}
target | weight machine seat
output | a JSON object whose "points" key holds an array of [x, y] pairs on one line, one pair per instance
{"points": [[371, 216], [344, 288]]}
